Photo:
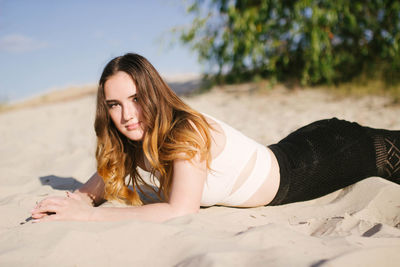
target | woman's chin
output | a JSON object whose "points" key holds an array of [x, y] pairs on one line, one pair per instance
{"points": [[134, 136]]}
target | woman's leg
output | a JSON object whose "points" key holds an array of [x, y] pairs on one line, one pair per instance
{"points": [[331, 154]]}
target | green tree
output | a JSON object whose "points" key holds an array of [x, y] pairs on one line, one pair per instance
{"points": [[320, 41]]}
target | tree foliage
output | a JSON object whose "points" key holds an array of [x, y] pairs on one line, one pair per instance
{"points": [[320, 41]]}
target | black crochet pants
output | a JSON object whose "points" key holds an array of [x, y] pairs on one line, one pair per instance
{"points": [[327, 155]]}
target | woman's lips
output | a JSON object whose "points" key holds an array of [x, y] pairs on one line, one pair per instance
{"points": [[132, 126]]}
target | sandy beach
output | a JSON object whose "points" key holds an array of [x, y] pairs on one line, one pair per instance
{"points": [[48, 148]]}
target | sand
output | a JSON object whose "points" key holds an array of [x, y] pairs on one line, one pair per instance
{"points": [[48, 148]]}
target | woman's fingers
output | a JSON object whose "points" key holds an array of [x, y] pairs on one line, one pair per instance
{"points": [[48, 208], [46, 212], [74, 196], [58, 200], [52, 200], [54, 217], [39, 215]]}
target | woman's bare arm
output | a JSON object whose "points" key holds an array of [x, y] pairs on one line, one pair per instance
{"points": [[92, 191], [187, 188]]}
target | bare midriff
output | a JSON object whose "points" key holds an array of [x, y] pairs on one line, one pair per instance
{"points": [[267, 191]]}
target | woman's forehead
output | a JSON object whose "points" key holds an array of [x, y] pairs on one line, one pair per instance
{"points": [[120, 85]]}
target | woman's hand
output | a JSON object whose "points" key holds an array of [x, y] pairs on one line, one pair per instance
{"points": [[70, 208]]}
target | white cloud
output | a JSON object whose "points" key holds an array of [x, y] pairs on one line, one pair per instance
{"points": [[18, 43]]}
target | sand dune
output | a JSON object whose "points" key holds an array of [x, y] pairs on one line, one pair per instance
{"points": [[48, 148]]}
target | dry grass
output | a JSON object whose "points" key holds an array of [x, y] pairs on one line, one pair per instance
{"points": [[357, 88], [371, 87], [62, 95]]}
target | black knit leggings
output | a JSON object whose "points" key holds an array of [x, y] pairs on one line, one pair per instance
{"points": [[327, 155]]}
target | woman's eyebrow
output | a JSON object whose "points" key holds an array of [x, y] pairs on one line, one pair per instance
{"points": [[114, 100], [132, 96]]}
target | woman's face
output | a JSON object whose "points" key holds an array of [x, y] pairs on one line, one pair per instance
{"points": [[125, 112]]}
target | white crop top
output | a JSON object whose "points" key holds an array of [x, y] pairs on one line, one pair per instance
{"points": [[228, 165]]}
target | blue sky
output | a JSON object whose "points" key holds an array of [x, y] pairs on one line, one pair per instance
{"points": [[47, 44]]}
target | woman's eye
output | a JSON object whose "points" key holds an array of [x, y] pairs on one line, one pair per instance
{"points": [[114, 105], [135, 99]]}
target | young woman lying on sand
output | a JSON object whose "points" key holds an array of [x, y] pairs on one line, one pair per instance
{"points": [[201, 161]]}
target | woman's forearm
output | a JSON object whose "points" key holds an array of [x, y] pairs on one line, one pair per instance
{"points": [[72, 208], [157, 212]]}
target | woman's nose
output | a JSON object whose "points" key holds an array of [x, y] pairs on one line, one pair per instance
{"points": [[128, 112]]}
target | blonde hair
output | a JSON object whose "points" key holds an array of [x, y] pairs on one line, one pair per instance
{"points": [[173, 130]]}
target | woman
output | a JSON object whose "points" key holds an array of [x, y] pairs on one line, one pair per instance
{"points": [[198, 160]]}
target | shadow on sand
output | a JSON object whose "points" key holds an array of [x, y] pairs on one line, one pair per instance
{"points": [[60, 183]]}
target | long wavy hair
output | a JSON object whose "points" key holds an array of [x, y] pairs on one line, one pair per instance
{"points": [[173, 131]]}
